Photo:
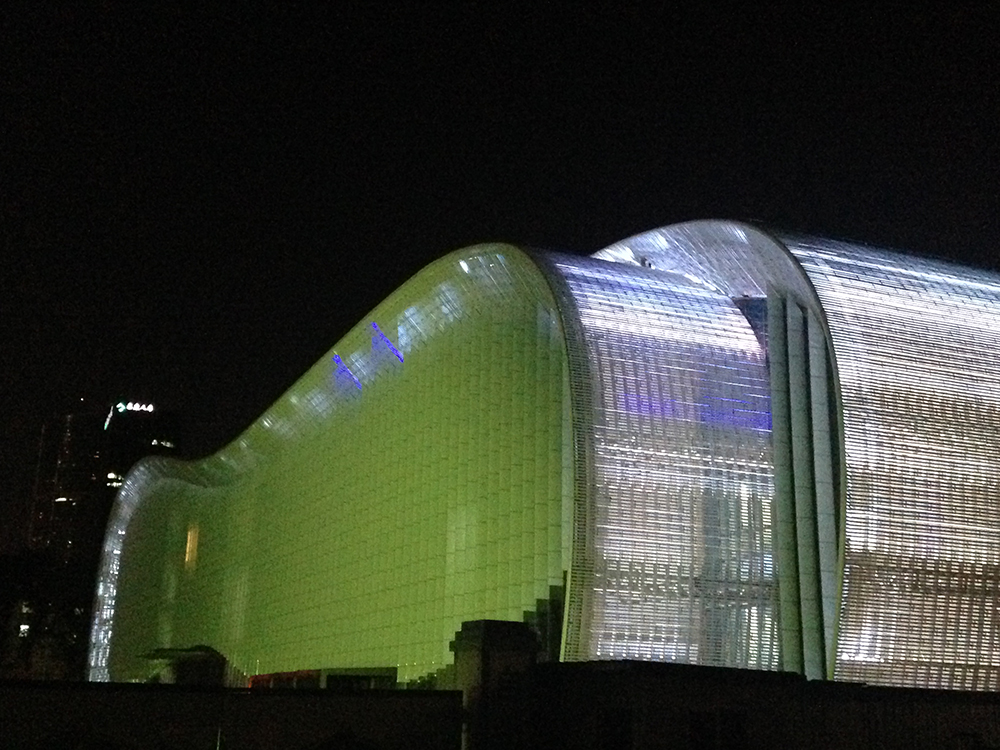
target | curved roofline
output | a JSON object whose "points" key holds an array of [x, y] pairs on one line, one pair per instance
{"points": [[704, 236]]}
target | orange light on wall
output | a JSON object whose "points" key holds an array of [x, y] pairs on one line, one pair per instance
{"points": [[191, 549]]}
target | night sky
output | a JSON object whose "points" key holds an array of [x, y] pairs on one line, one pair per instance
{"points": [[197, 204]]}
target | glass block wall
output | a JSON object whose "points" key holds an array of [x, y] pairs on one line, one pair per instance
{"points": [[901, 512], [416, 477], [752, 272], [672, 548], [737, 448], [918, 358]]}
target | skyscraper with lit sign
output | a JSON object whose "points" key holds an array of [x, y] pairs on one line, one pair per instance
{"points": [[83, 457]]}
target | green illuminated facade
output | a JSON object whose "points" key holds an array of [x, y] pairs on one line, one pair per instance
{"points": [[420, 481], [705, 444]]}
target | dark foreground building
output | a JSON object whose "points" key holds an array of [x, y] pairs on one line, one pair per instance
{"points": [[705, 445], [509, 704], [85, 716]]}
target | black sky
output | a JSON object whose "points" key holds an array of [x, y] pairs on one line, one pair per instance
{"points": [[197, 203]]}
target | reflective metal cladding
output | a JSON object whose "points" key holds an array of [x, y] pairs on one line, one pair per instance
{"points": [[706, 444]]}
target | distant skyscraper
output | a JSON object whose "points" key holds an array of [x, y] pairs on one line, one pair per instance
{"points": [[82, 458]]}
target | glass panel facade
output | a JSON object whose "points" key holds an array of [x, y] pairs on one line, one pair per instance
{"points": [[906, 485], [726, 447], [416, 477], [672, 545], [918, 358], [761, 278]]}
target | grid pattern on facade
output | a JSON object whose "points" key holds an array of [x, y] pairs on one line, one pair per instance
{"points": [[673, 550], [918, 353], [490, 427], [764, 280], [415, 478]]}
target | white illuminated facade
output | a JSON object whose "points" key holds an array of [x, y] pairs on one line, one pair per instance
{"points": [[751, 450], [918, 353], [673, 544], [885, 447]]}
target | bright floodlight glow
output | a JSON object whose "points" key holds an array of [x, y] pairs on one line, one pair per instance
{"points": [[681, 423], [918, 349]]}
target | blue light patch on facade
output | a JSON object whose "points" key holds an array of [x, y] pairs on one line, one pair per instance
{"points": [[380, 343], [713, 410], [343, 378]]}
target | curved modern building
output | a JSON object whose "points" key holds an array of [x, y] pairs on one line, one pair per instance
{"points": [[705, 444]]}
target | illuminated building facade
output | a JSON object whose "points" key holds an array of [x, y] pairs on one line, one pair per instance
{"points": [[705, 444]]}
